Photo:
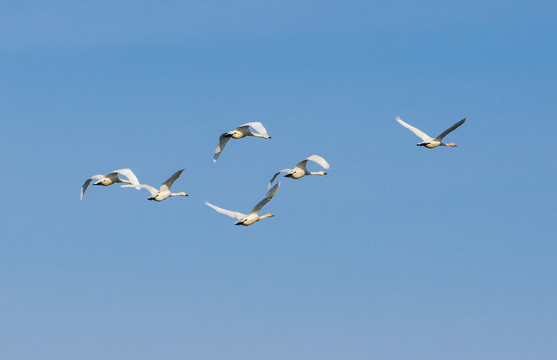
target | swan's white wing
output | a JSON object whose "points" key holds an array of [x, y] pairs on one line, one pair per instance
{"points": [[277, 174], [84, 188], [87, 182], [233, 214], [302, 165], [266, 199], [220, 147], [130, 175], [257, 126], [168, 183], [446, 132], [422, 135], [317, 159]]}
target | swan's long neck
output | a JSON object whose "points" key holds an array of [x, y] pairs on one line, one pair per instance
{"points": [[179, 194], [265, 216], [317, 173], [259, 135]]}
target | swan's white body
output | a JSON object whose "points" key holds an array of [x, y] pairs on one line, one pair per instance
{"points": [[112, 178], [240, 132], [428, 141], [164, 191], [300, 169], [253, 216]]}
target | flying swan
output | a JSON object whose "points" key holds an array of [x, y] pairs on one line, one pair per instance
{"points": [[164, 192], [253, 216], [428, 141], [240, 132], [112, 178], [300, 170]]}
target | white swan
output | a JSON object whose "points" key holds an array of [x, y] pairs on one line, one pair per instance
{"points": [[253, 216], [164, 192], [240, 132], [428, 141], [300, 169], [112, 178]]}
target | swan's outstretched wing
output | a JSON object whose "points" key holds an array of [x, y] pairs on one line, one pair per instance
{"points": [[87, 182], [168, 183], [131, 177], [319, 160], [266, 199], [257, 126], [446, 132], [316, 159], [422, 135], [233, 214], [220, 147], [277, 174]]}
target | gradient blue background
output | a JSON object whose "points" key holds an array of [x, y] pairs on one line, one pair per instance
{"points": [[399, 253]]}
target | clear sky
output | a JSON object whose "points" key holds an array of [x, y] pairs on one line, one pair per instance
{"points": [[400, 252]]}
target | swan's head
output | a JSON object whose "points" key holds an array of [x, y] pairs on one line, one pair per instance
{"points": [[451, 144], [268, 215], [182, 194]]}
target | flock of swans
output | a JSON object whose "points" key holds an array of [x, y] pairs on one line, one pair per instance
{"points": [[298, 172]]}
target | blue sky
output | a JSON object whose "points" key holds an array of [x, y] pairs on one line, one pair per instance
{"points": [[399, 252]]}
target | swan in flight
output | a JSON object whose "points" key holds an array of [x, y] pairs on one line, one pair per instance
{"points": [[240, 132], [112, 178], [253, 216], [300, 170], [428, 141], [164, 192]]}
